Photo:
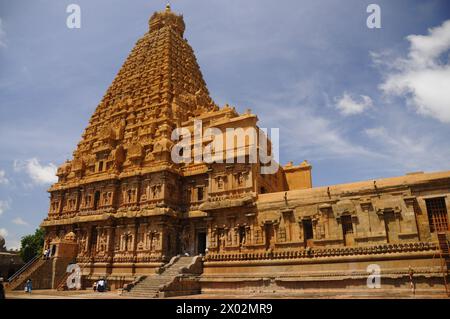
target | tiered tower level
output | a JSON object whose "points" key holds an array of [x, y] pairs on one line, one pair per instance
{"points": [[122, 207]]}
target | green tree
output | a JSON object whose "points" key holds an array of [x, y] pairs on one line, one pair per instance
{"points": [[31, 245]]}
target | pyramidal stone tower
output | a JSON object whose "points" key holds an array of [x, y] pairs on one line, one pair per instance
{"points": [[123, 208], [159, 87], [122, 198]]}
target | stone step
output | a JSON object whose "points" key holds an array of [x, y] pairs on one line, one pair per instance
{"points": [[152, 284], [157, 280], [149, 287], [143, 295], [146, 288], [149, 290], [146, 291]]}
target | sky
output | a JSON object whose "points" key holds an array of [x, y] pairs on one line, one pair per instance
{"points": [[357, 103]]}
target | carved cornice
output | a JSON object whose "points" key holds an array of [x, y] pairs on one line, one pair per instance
{"points": [[314, 253]]}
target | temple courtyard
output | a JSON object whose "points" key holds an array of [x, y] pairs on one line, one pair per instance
{"points": [[89, 294]]}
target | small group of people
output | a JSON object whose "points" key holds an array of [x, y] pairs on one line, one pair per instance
{"points": [[100, 286], [46, 253], [28, 286]]}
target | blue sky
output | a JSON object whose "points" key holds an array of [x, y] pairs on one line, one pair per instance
{"points": [[357, 103]]}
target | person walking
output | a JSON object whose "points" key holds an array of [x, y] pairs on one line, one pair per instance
{"points": [[2, 289], [29, 286]]}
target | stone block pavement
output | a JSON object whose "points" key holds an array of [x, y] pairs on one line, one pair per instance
{"points": [[89, 294]]}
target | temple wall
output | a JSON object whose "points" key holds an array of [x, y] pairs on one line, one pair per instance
{"points": [[323, 239]]}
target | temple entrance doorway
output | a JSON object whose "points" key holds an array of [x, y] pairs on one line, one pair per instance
{"points": [[201, 243]]}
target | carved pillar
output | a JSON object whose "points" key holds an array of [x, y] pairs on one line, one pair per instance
{"points": [[135, 234], [119, 235], [89, 239], [109, 239], [99, 235]]}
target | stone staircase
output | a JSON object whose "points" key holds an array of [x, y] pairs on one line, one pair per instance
{"points": [[151, 286], [17, 281]]}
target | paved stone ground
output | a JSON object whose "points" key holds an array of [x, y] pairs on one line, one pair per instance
{"points": [[89, 294]]}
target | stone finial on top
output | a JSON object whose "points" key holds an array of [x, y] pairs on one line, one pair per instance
{"points": [[305, 163], [167, 18]]}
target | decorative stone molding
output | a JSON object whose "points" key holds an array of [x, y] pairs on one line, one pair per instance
{"points": [[326, 252], [344, 207], [388, 205]]}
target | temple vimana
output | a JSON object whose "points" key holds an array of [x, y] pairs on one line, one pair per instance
{"points": [[123, 210]]}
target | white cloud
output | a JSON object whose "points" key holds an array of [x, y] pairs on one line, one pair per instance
{"points": [[304, 132], [3, 179], [2, 35], [40, 174], [3, 232], [402, 143], [402, 148], [4, 205], [19, 221], [423, 77], [348, 105]]}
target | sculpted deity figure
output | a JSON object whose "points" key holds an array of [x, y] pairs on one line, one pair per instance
{"points": [[105, 198], [244, 239], [102, 244], [72, 204], [240, 179], [156, 189], [222, 239], [155, 241], [83, 244], [129, 196], [220, 182]]}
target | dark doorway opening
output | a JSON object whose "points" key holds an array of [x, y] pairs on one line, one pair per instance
{"points": [[241, 236], [307, 231], [94, 239], [201, 243], [96, 199], [53, 250], [268, 228], [199, 194]]}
